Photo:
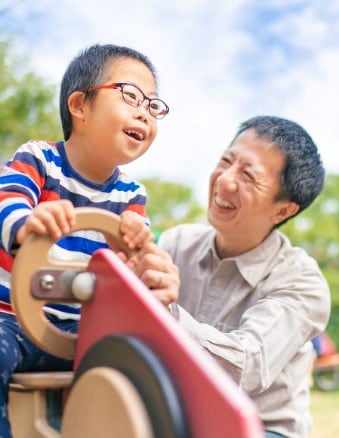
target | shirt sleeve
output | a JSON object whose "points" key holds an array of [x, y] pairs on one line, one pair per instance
{"points": [[20, 181], [138, 203], [269, 336]]}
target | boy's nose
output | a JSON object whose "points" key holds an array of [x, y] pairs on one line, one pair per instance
{"points": [[145, 104], [142, 110]]}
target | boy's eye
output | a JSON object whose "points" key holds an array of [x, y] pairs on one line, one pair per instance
{"points": [[154, 105], [130, 95]]}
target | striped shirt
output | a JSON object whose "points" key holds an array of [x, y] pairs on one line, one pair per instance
{"points": [[40, 171]]}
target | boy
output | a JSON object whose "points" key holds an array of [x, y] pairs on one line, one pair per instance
{"points": [[108, 109]]}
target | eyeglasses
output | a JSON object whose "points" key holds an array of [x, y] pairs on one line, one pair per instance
{"points": [[135, 97]]}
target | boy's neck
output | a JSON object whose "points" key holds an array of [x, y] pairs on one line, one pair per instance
{"points": [[82, 163]]}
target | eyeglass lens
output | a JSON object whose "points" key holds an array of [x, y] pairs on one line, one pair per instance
{"points": [[133, 96]]}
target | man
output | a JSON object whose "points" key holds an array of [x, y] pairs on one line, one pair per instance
{"points": [[247, 295]]}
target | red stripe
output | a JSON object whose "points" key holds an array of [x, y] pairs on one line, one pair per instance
{"points": [[48, 195], [28, 170], [9, 195], [140, 209], [6, 261], [5, 307]]}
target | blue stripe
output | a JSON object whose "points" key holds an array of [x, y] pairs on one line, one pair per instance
{"points": [[10, 208], [50, 157], [138, 200], [4, 293], [19, 182], [123, 186], [115, 207], [28, 157], [6, 212], [65, 308], [52, 184], [80, 244], [14, 230]]}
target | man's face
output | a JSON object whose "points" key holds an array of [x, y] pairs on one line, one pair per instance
{"points": [[243, 187]]}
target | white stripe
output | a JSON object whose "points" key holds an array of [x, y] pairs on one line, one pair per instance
{"points": [[9, 221], [60, 254], [5, 278]]}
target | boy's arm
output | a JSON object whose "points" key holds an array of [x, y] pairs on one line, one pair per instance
{"points": [[16, 204], [21, 183]]}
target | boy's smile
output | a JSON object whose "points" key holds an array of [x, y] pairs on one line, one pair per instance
{"points": [[138, 135]]}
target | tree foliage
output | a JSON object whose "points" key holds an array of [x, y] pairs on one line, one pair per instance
{"points": [[27, 104], [171, 203], [317, 230]]}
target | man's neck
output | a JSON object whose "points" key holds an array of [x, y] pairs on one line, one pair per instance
{"points": [[231, 246]]}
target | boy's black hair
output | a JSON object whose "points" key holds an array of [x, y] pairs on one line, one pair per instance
{"points": [[89, 69]]}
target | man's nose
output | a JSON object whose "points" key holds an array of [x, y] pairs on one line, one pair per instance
{"points": [[228, 179]]}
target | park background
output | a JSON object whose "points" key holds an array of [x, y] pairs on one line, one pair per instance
{"points": [[219, 63]]}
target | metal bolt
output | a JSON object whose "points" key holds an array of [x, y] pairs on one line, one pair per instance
{"points": [[47, 282]]}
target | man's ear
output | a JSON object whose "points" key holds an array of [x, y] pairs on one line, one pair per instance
{"points": [[76, 104], [285, 210]]}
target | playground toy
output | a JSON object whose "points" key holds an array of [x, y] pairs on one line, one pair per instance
{"points": [[137, 373]]}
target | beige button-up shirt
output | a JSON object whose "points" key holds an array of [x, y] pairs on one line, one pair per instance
{"points": [[256, 314]]}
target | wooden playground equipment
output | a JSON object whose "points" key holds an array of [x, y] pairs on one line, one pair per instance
{"points": [[137, 373]]}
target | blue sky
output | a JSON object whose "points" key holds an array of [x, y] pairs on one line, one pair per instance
{"points": [[219, 62]]}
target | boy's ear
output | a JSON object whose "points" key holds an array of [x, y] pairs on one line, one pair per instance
{"points": [[76, 104], [285, 210]]}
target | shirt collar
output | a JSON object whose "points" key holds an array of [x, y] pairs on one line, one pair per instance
{"points": [[208, 247], [253, 265]]}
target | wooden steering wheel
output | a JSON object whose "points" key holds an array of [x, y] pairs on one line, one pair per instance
{"points": [[33, 255]]}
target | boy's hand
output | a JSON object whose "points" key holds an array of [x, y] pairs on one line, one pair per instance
{"points": [[54, 218], [135, 233]]}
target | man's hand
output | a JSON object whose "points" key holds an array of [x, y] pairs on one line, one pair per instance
{"points": [[155, 268]]}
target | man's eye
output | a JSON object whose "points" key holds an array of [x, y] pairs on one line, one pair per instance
{"points": [[248, 174]]}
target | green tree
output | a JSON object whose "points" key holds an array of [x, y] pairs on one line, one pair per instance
{"points": [[171, 203], [316, 229], [27, 104]]}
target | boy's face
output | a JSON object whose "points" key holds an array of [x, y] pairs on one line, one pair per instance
{"points": [[113, 131]]}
